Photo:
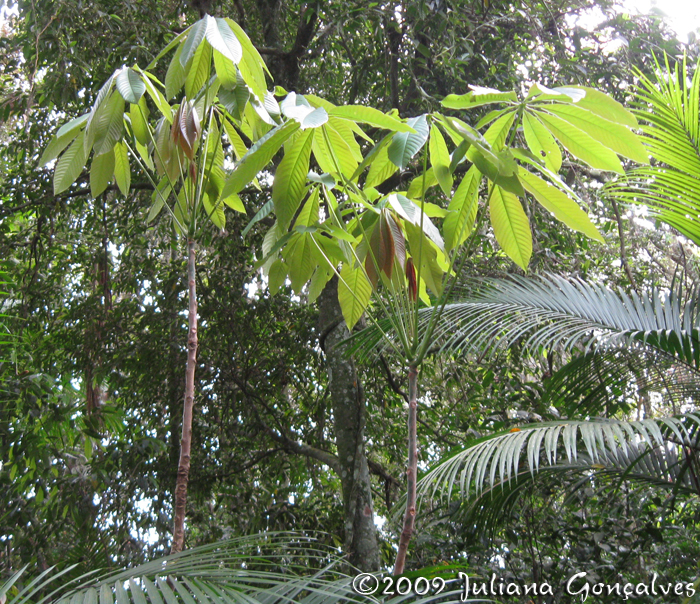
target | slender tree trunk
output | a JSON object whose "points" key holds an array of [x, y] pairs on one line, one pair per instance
{"points": [[409, 517], [183, 470], [348, 404]]}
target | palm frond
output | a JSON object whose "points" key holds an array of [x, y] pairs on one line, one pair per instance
{"points": [[668, 107], [616, 380], [272, 568], [553, 312], [262, 569], [663, 451]]}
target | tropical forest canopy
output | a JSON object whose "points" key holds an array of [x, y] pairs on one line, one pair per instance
{"points": [[496, 203]]}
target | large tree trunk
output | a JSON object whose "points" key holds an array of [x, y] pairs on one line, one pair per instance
{"points": [[409, 518], [183, 470], [349, 421]]}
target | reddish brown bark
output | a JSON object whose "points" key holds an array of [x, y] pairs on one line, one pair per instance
{"points": [[409, 517], [183, 470]]}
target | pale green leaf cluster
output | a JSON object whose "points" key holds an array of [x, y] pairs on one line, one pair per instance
{"points": [[338, 158]]}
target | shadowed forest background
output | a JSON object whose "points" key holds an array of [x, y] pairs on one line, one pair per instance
{"points": [[94, 321]]}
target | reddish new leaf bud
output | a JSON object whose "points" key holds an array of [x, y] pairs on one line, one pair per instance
{"points": [[412, 283]]}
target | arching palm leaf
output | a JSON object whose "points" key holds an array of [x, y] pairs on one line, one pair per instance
{"points": [[663, 452], [671, 188], [274, 568], [554, 312], [614, 381]]}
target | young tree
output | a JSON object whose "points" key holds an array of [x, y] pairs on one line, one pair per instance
{"points": [[334, 221]]}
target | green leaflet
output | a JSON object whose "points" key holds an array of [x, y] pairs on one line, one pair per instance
{"points": [[175, 76], [381, 168], [226, 71], [479, 151], [139, 125], [101, 172], [497, 134], [222, 38], [336, 157], [108, 125], [214, 212], [300, 256], [252, 66], [405, 145], [371, 116], [65, 135], [354, 291], [198, 71], [159, 198], [618, 138], [276, 276], [321, 276], [308, 215], [122, 172], [157, 97], [234, 202], [239, 148], [426, 254], [541, 142], [193, 42], [606, 107], [421, 183], [101, 96], [258, 156], [511, 226], [561, 205], [477, 97], [581, 145], [462, 210], [130, 85], [440, 160], [70, 165]]}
